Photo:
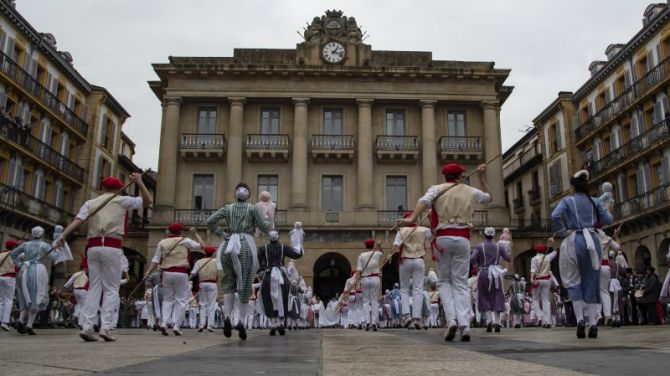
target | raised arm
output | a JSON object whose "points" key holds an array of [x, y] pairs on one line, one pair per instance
{"points": [[215, 218]]}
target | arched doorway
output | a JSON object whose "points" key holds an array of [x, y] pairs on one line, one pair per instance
{"points": [[661, 257], [331, 271], [642, 259], [522, 263], [390, 273], [136, 265]]}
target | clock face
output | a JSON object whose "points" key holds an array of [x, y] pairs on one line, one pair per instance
{"points": [[333, 52]]}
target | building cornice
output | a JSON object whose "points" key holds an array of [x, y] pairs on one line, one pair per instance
{"points": [[553, 106], [110, 101], [641, 37]]}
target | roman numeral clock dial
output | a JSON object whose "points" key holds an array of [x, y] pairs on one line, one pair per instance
{"points": [[333, 52]]}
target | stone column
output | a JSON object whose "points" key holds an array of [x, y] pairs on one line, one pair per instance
{"points": [[428, 144], [364, 157], [493, 147], [299, 166], [235, 140], [169, 149]]}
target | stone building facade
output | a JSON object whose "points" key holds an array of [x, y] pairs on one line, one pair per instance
{"points": [[345, 137]]}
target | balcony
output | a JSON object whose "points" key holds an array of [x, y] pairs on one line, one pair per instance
{"points": [[138, 224], [34, 210], [641, 145], [202, 146], [335, 148], [463, 148], [543, 226], [32, 87], [397, 148], [268, 147], [391, 217], [655, 201], [621, 103], [521, 163], [535, 196], [193, 217], [10, 131], [518, 205]]}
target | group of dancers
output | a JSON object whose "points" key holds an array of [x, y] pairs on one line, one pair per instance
{"points": [[256, 279]]}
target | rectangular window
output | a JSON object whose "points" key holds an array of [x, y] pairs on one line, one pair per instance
{"points": [[207, 120], [99, 172], [456, 124], [332, 122], [203, 191], [555, 179], [270, 121], [16, 173], [331, 193], [559, 138], [269, 183], [396, 193], [395, 123]]}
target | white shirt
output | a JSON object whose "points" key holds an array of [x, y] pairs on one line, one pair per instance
{"points": [[186, 242], [533, 261], [124, 264], [128, 203], [398, 237], [432, 193]]}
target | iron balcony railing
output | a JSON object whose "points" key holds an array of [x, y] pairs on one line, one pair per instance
{"points": [[21, 202], [203, 140], [138, 223], [619, 104], [332, 142], [633, 148], [460, 144], [531, 225], [198, 217], [391, 217], [521, 160], [643, 203], [11, 131], [397, 143], [30, 84], [268, 141]]}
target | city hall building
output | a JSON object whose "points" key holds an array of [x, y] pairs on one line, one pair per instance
{"points": [[343, 136]]}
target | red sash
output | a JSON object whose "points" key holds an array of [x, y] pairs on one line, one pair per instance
{"points": [[104, 242]]}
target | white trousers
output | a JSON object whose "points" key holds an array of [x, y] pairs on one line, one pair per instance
{"points": [[80, 295], [412, 273], [193, 317], [452, 269], [175, 298], [605, 291], [104, 273], [7, 288], [434, 312], [207, 297], [371, 287], [541, 296]]}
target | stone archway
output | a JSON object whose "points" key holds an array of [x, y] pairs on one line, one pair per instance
{"points": [[522, 263], [642, 259], [331, 271], [136, 267], [661, 257]]}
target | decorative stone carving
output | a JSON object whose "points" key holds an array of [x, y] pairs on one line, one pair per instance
{"points": [[333, 26]]}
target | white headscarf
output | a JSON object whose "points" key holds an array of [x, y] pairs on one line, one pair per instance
{"points": [[37, 232]]}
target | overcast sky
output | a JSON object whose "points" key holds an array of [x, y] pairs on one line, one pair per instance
{"points": [[547, 44]]}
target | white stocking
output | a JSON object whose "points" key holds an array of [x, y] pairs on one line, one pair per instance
{"points": [[578, 306], [22, 316], [244, 309], [228, 302], [593, 310], [31, 318], [496, 317]]}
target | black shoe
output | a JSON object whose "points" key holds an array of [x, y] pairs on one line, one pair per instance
{"points": [[465, 338], [367, 327], [374, 327], [581, 329], [489, 327], [241, 331], [273, 331], [164, 331], [593, 332], [227, 328], [497, 328], [281, 330], [200, 330], [517, 326], [96, 328], [451, 333], [360, 327], [30, 331], [20, 328]]}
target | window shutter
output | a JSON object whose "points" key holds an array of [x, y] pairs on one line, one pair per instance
{"points": [[33, 71], [627, 80], [559, 140], [608, 95], [84, 113], [665, 110], [659, 55], [650, 60], [3, 100], [591, 111], [665, 164], [9, 48], [3, 38]]}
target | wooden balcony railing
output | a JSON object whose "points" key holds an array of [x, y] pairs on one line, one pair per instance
{"points": [[31, 85], [11, 131]]}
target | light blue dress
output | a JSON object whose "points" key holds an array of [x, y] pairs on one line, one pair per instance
{"points": [[574, 214], [32, 281]]}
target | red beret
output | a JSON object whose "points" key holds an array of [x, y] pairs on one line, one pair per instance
{"points": [[473, 271], [369, 243], [210, 250], [111, 182], [176, 228], [540, 248], [452, 169], [11, 244], [83, 264]]}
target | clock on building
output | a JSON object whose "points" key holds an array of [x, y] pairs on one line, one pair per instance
{"points": [[333, 52]]}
